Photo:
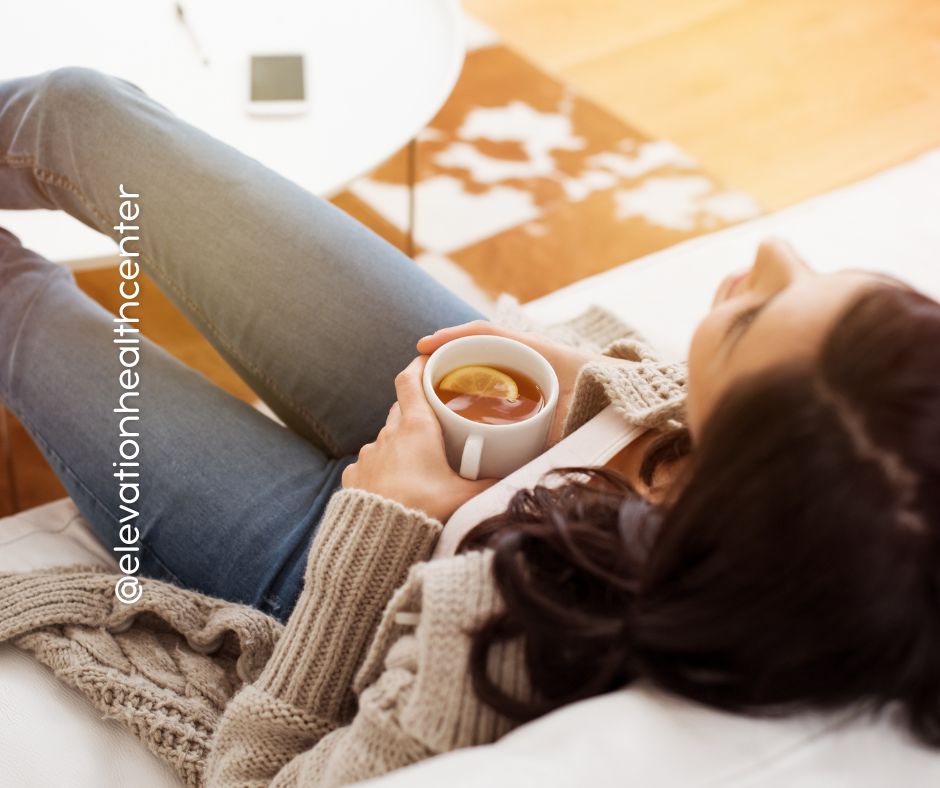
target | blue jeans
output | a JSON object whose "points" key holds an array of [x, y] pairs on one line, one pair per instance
{"points": [[314, 311]]}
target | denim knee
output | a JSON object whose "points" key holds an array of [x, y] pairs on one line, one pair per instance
{"points": [[67, 86]]}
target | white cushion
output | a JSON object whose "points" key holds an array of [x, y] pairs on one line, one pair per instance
{"points": [[52, 736], [51, 535], [644, 738]]}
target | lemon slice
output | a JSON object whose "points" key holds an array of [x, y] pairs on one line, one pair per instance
{"points": [[480, 381]]}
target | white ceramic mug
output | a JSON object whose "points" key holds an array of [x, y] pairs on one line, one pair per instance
{"points": [[477, 450]]}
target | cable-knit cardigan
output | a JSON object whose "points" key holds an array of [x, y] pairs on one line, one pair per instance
{"points": [[369, 673]]}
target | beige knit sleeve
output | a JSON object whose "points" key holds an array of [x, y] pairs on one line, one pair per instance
{"points": [[415, 692], [362, 552], [645, 391]]}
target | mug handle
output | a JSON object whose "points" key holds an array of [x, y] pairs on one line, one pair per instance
{"points": [[470, 460]]}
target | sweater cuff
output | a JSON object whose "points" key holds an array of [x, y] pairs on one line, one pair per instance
{"points": [[362, 552], [648, 394], [630, 348], [69, 595]]}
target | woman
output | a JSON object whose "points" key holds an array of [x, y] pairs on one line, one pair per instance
{"points": [[785, 554]]}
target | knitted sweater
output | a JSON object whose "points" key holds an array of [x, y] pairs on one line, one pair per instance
{"points": [[370, 672]]}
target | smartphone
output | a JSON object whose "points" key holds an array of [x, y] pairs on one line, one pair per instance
{"points": [[276, 85]]}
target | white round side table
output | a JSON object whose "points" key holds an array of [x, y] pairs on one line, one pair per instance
{"points": [[376, 73]]}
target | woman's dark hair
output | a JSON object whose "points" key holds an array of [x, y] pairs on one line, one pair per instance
{"points": [[795, 563]]}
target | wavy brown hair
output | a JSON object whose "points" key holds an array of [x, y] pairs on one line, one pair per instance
{"points": [[794, 564]]}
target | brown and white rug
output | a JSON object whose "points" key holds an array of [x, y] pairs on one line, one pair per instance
{"points": [[521, 185]]}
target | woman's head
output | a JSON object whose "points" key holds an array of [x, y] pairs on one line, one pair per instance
{"points": [[779, 311], [796, 561]]}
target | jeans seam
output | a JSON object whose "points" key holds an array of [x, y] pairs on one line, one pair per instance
{"points": [[51, 177], [44, 175]]}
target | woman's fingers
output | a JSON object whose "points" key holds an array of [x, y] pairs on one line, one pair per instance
{"points": [[410, 391], [433, 341], [394, 415]]}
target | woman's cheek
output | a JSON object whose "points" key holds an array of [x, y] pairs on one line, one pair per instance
{"points": [[702, 354]]}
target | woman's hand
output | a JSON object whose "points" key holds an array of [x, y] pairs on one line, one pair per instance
{"points": [[565, 359], [407, 462]]}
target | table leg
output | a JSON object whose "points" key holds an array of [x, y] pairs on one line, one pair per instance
{"points": [[412, 175]]}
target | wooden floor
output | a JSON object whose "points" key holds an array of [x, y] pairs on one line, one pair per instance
{"points": [[784, 99]]}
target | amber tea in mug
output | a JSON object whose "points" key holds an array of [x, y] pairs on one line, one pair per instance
{"points": [[509, 434], [496, 410]]}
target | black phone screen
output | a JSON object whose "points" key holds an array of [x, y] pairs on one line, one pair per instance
{"points": [[277, 78]]}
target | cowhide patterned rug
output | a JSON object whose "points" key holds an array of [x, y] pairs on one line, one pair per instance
{"points": [[523, 186]]}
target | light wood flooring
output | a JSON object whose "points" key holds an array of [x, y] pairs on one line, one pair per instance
{"points": [[784, 99]]}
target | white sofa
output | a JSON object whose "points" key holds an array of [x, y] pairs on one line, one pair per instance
{"points": [[51, 736]]}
